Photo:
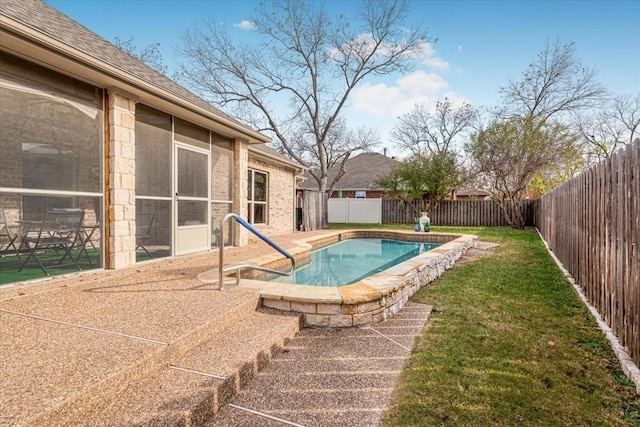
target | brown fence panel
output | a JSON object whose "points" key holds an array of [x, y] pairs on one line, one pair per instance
{"points": [[483, 213], [592, 224], [314, 214], [397, 212]]}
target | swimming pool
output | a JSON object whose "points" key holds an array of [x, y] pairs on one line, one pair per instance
{"points": [[370, 299], [351, 260]]}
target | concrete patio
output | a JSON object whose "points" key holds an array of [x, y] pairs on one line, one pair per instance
{"points": [[151, 345]]}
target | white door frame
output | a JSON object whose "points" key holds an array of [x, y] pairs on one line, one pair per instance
{"points": [[190, 238]]}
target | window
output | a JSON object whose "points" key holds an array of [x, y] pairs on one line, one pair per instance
{"points": [[257, 195], [361, 194], [153, 180], [51, 139]]}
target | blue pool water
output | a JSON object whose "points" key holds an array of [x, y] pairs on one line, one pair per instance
{"points": [[351, 260]]}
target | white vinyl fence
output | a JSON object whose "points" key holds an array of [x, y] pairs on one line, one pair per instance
{"points": [[363, 211]]}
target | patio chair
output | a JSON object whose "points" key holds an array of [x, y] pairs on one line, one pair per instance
{"points": [[144, 222], [58, 233], [6, 232], [84, 236]]}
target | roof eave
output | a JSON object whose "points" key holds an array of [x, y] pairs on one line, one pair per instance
{"points": [[289, 163], [28, 43]]}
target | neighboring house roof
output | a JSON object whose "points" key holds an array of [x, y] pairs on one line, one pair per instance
{"points": [[39, 33], [471, 192], [362, 172], [268, 153]]}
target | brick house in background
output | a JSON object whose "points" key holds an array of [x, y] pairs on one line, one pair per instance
{"points": [[362, 172], [469, 193]]}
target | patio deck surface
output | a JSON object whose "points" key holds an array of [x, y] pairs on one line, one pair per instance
{"points": [[152, 345]]}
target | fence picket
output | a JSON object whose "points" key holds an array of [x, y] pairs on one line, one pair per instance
{"points": [[482, 213], [592, 223]]}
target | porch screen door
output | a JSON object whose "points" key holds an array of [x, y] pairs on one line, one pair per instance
{"points": [[192, 200]]}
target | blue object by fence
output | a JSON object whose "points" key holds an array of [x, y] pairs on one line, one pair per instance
{"points": [[262, 236]]}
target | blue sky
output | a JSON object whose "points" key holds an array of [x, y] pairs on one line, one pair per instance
{"points": [[481, 44]]}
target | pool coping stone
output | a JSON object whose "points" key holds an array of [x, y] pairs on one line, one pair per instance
{"points": [[370, 300]]}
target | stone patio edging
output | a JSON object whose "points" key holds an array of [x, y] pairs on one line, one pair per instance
{"points": [[369, 301]]}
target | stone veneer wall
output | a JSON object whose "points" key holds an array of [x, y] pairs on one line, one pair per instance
{"points": [[121, 184], [241, 162], [121, 187], [121, 242]]}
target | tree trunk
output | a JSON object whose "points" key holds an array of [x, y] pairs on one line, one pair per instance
{"points": [[512, 213]]}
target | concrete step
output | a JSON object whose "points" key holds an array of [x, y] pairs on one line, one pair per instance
{"points": [[109, 377], [329, 377], [197, 383]]}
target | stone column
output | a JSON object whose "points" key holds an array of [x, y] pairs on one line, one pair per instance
{"points": [[121, 208], [240, 204]]}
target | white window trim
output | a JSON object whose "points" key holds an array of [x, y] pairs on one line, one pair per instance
{"points": [[251, 203]]}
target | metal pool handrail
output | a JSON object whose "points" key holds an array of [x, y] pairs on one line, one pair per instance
{"points": [[238, 267]]}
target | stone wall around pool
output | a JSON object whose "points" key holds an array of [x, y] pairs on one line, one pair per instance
{"points": [[370, 300]]}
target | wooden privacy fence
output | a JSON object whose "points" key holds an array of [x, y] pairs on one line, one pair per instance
{"points": [[454, 212], [592, 224], [314, 214]]}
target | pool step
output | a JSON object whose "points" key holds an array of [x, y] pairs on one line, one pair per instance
{"points": [[213, 276]]}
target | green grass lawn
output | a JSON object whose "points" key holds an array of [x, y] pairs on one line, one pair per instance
{"points": [[510, 343]]}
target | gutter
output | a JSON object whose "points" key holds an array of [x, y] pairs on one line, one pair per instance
{"points": [[299, 169]]}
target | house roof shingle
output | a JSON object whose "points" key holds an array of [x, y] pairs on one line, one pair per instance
{"points": [[49, 22], [362, 172]]}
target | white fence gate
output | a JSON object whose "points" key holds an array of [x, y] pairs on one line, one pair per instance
{"points": [[363, 211]]}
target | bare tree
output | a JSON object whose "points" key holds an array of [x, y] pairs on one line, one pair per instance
{"points": [[528, 139], [422, 132], [510, 153], [340, 143], [554, 83], [150, 55], [305, 58], [435, 168], [605, 131]]}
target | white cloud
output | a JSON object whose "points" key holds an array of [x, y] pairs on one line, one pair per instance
{"points": [[427, 55], [436, 63], [384, 101], [245, 25], [375, 99], [424, 52], [420, 82]]}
